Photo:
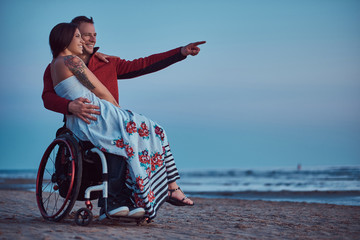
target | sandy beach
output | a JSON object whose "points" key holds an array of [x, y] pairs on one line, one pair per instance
{"points": [[208, 219]]}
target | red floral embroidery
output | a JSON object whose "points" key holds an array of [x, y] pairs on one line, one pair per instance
{"points": [[144, 157], [143, 125], [159, 132], [144, 130], [131, 127], [140, 183], [156, 159], [151, 196], [129, 151], [138, 201], [120, 143]]}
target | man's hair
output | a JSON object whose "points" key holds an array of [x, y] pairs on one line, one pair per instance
{"points": [[60, 37], [81, 19]]}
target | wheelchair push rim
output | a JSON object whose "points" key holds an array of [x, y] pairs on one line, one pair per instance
{"points": [[53, 201]]}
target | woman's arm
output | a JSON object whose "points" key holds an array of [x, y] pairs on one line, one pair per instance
{"points": [[88, 79]]}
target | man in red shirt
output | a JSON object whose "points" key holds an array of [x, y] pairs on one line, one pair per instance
{"points": [[108, 70]]}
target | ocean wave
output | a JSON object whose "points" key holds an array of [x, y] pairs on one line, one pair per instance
{"points": [[280, 183]]}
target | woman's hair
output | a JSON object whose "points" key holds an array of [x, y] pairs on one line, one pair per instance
{"points": [[81, 19], [60, 37]]}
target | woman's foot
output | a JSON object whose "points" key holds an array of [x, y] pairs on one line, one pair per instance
{"points": [[177, 197]]}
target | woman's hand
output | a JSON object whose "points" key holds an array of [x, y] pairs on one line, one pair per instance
{"points": [[103, 57]]}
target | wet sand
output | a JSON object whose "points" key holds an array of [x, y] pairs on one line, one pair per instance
{"points": [[208, 219]]}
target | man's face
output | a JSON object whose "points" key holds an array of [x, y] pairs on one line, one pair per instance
{"points": [[88, 34]]}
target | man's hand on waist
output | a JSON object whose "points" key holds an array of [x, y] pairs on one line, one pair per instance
{"points": [[81, 108]]}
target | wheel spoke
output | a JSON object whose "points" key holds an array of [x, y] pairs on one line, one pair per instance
{"points": [[57, 175], [46, 186]]}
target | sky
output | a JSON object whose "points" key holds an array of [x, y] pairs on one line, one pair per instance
{"points": [[276, 85]]}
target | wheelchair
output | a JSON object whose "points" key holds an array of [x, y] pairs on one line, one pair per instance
{"points": [[70, 171]]}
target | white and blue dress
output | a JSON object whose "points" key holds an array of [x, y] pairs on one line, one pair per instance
{"points": [[140, 140]]}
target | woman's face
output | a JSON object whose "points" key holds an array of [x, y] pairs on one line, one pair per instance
{"points": [[76, 45]]}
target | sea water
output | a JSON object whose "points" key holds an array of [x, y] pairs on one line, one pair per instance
{"points": [[331, 184], [336, 185]]}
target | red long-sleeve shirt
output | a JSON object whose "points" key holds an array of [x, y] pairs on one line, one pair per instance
{"points": [[109, 73]]}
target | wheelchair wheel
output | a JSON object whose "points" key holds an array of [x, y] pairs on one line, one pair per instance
{"points": [[59, 178], [83, 217]]}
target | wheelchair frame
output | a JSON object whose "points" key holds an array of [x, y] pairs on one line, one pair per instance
{"points": [[61, 180]]}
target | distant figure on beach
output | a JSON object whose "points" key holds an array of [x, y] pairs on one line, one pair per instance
{"points": [[81, 91]]}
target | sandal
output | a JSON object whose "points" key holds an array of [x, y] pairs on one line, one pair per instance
{"points": [[175, 201]]}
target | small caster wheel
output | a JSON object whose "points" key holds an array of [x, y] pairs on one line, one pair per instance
{"points": [[83, 217]]}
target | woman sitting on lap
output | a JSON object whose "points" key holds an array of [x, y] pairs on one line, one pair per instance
{"points": [[152, 171]]}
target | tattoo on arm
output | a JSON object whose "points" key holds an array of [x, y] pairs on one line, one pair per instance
{"points": [[77, 67]]}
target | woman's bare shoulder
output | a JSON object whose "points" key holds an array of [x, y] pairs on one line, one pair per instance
{"points": [[66, 61], [60, 70]]}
